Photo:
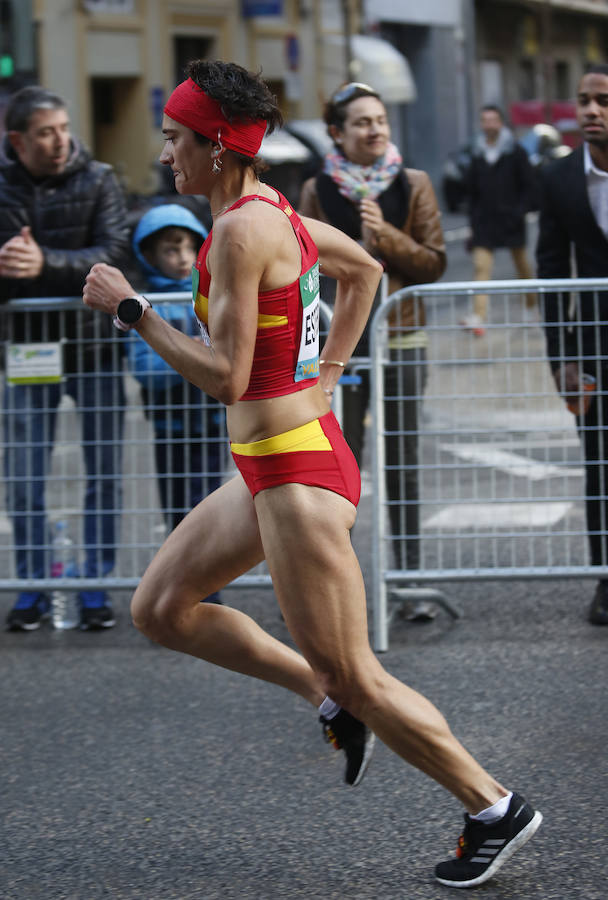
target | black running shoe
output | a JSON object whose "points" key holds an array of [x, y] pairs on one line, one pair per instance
{"points": [[598, 611], [93, 618], [349, 734], [29, 611], [483, 849]]}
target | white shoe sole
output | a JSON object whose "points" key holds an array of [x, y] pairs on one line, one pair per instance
{"points": [[367, 756]]}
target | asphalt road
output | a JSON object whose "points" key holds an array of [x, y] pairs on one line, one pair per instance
{"points": [[129, 771]]}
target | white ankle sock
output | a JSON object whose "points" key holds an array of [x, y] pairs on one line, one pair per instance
{"points": [[329, 709], [495, 812]]}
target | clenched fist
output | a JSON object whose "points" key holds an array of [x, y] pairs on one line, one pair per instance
{"points": [[105, 286], [21, 257]]}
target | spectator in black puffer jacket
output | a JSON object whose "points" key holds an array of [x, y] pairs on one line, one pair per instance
{"points": [[61, 212]]}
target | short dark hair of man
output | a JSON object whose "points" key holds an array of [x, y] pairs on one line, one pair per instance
{"points": [[596, 69], [26, 102], [491, 107]]}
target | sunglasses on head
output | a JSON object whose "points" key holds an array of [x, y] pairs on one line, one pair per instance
{"points": [[349, 90]]}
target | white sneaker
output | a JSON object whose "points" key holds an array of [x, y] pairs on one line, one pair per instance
{"points": [[530, 315], [474, 323]]}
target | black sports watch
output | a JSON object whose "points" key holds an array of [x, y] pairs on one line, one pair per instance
{"points": [[129, 312]]}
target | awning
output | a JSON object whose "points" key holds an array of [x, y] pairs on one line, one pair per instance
{"points": [[375, 62], [282, 147]]}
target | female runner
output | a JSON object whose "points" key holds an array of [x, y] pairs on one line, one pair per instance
{"points": [[293, 502]]}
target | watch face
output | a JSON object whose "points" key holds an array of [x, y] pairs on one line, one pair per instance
{"points": [[130, 310]]}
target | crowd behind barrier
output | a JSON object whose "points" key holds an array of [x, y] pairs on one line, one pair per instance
{"points": [[500, 471]]}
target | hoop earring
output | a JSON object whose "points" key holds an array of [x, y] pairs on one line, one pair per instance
{"points": [[216, 168]]}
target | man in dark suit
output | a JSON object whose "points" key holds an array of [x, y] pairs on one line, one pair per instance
{"points": [[574, 214]]}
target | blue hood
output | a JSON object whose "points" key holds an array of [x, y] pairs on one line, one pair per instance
{"points": [[164, 216]]}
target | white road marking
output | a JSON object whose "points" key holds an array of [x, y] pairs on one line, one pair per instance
{"points": [[484, 516], [511, 463], [5, 525]]}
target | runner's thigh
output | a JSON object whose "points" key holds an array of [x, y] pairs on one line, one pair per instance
{"points": [[216, 542], [315, 572]]}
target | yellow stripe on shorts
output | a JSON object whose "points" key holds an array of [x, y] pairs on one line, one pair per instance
{"points": [[306, 437]]}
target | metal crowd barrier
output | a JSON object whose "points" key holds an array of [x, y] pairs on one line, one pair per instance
{"points": [[497, 489], [144, 493], [499, 483]]}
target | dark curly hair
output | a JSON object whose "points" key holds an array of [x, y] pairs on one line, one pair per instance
{"points": [[243, 96]]}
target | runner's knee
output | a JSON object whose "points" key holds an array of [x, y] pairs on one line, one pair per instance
{"points": [[155, 614], [356, 690]]}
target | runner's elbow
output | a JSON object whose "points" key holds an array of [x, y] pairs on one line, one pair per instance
{"points": [[229, 397], [370, 273], [230, 389]]}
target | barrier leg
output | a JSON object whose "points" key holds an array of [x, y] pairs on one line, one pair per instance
{"points": [[430, 595]]}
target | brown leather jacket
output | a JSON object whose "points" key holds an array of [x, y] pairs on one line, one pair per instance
{"points": [[412, 255]]}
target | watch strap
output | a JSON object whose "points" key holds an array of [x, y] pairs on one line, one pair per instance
{"points": [[124, 326]]}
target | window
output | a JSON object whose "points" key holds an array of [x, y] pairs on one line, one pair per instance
{"points": [[562, 80], [188, 48], [527, 80]]}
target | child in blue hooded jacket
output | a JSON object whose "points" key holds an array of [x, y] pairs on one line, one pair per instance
{"points": [[187, 423]]}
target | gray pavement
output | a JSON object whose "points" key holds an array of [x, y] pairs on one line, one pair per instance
{"points": [[130, 771]]}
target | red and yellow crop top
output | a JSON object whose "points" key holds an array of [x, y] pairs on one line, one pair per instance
{"points": [[286, 357]]}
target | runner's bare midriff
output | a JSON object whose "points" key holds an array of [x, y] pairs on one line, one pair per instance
{"points": [[254, 420]]}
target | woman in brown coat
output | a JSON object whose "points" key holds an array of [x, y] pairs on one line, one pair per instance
{"points": [[365, 191]]}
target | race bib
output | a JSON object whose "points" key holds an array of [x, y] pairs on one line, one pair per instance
{"points": [[308, 356], [195, 297]]}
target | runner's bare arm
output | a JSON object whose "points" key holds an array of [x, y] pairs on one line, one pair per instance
{"points": [[357, 275], [223, 369]]}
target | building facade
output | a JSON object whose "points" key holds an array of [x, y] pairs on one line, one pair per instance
{"points": [[434, 38], [116, 61], [531, 55]]}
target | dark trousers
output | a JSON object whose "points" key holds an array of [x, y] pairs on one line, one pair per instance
{"points": [[404, 384], [30, 415], [592, 432], [188, 449]]}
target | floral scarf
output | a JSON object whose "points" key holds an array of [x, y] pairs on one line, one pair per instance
{"points": [[355, 181]]}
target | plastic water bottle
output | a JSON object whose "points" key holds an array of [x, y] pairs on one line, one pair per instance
{"points": [[65, 613]]}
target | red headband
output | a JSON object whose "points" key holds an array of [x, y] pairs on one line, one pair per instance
{"points": [[191, 106]]}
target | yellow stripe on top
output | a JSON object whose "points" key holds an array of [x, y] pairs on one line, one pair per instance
{"points": [[305, 437], [267, 321], [201, 309]]}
